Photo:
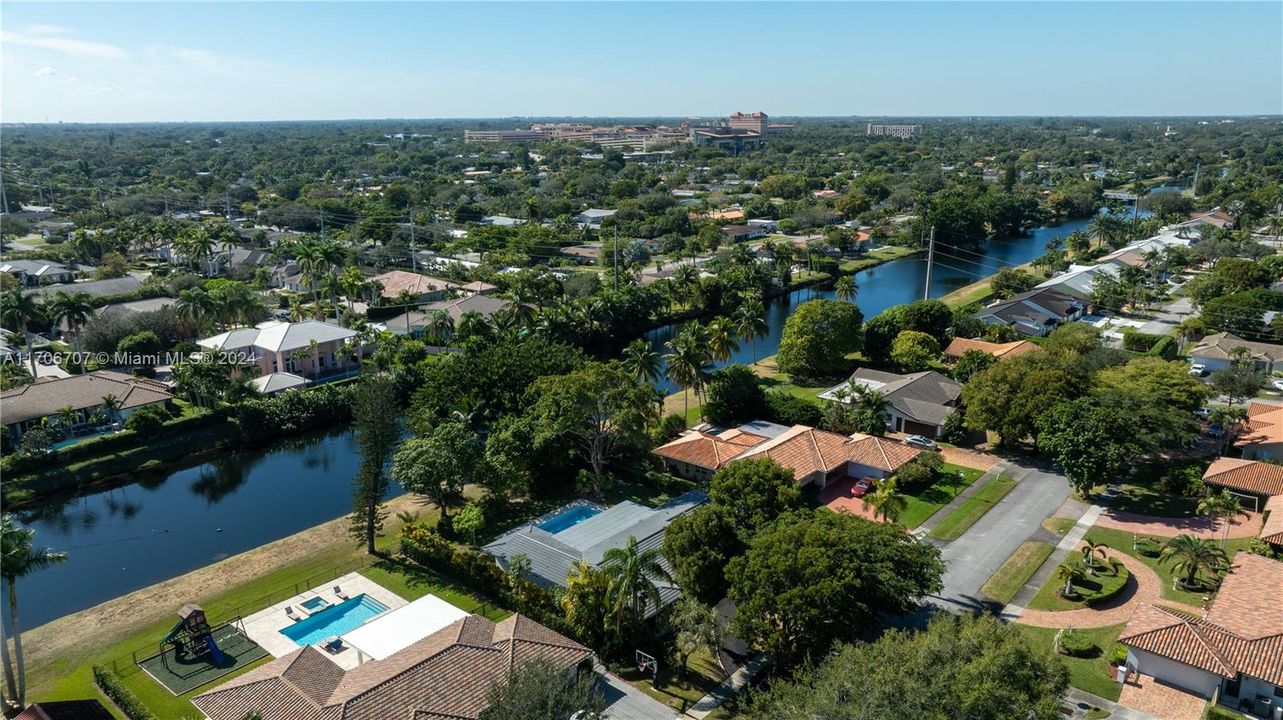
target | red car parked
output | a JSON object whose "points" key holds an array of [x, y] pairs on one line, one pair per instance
{"points": [[863, 487]]}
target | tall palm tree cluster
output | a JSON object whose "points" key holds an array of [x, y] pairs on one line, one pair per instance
{"points": [[22, 311], [601, 601], [694, 348], [220, 305]]}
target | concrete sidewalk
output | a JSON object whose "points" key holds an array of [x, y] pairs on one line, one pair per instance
{"points": [[1044, 572], [729, 688], [930, 523], [1084, 701]]}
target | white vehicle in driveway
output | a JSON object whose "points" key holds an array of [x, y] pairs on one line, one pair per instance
{"points": [[1277, 383], [1198, 370], [923, 443]]}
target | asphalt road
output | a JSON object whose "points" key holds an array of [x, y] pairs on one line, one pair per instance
{"points": [[985, 546]]}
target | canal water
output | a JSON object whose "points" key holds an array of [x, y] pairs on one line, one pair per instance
{"points": [[895, 283], [166, 525], [131, 537]]}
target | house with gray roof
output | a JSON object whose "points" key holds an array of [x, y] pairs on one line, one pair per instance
{"points": [[1035, 313], [583, 532], [918, 403], [312, 348], [34, 273]]}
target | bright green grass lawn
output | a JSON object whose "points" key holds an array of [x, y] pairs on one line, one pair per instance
{"points": [[1023, 563], [1122, 541], [925, 502], [677, 691], [1101, 585], [973, 508], [1147, 500], [70, 678], [1090, 674]]}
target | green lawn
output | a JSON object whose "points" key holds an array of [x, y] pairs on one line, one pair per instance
{"points": [[1147, 500], [1090, 674], [1103, 584], [70, 678], [1008, 579], [973, 508], [1122, 542], [925, 502], [877, 257], [678, 691], [1058, 525]]}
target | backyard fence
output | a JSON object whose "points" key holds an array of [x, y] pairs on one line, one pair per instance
{"points": [[127, 664]]}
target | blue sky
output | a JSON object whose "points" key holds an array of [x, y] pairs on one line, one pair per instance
{"points": [[163, 61]]}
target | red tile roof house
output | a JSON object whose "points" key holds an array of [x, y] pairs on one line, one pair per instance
{"points": [[1252, 482], [426, 289], [816, 457], [1002, 351], [1234, 652], [1261, 436], [444, 676]]}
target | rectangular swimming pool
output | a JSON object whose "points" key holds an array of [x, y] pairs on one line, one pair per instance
{"points": [[568, 518], [334, 620]]}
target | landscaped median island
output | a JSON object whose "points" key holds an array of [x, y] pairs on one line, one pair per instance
{"points": [[1019, 568], [1078, 583], [973, 508]]}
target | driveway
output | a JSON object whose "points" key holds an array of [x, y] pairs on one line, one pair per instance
{"points": [[985, 546], [625, 702]]}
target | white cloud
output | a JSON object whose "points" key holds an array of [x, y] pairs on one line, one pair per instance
{"points": [[45, 71], [67, 46], [40, 29]]}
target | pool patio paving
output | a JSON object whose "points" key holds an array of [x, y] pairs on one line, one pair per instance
{"points": [[264, 626]]}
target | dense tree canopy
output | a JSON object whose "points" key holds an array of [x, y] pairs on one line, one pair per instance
{"points": [[818, 336]]}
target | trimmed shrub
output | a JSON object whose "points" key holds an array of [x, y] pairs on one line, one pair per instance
{"points": [[122, 696], [1148, 547], [270, 417], [787, 409], [1165, 348], [148, 419], [1076, 644]]}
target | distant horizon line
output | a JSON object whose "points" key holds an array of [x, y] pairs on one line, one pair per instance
{"points": [[503, 118]]}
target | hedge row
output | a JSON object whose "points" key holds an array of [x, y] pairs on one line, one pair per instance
{"points": [[122, 696], [108, 444], [479, 572], [291, 412]]}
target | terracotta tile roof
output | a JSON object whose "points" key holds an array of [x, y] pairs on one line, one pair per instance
{"points": [[1272, 528], [66, 710], [1247, 603], [879, 452], [1264, 425], [804, 450], [395, 282], [1247, 476], [706, 450], [1242, 632], [959, 346], [46, 397], [444, 675]]}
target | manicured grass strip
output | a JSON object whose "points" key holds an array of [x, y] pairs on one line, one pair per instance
{"points": [[1007, 581], [973, 508], [927, 501], [1089, 674], [1060, 526]]}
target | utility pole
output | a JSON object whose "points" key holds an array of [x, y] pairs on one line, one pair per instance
{"points": [[931, 258], [227, 204], [414, 258], [1195, 186]]}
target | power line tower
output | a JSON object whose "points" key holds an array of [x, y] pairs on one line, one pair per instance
{"points": [[931, 259]]}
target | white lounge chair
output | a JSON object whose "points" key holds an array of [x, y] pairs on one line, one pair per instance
{"points": [[289, 613], [338, 592]]}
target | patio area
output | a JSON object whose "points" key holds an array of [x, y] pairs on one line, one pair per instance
{"points": [[838, 498], [264, 627], [1161, 700]]}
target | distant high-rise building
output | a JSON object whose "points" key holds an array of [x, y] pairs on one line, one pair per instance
{"points": [[750, 122], [903, 132]]}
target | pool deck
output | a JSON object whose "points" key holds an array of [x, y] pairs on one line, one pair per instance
{"points": [[264, 626]]}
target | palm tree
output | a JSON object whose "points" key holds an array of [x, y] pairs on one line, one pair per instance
{"points": [[888, 504], [195, 303], [846, 288], [643, 360], [750, 323], [73, 308], [634, 575], [1274, 224], [1189, 556], [111, 407], [1221, 505], [1077, 242], [17, 310], [1102, 228], [199, 245], [19, 560], [1069, 574], [1090, 550], [441, 328], [354, 286], [720, 336], [687, 359]]}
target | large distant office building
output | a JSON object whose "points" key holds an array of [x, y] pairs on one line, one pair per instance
{"points": [[904, 132]]}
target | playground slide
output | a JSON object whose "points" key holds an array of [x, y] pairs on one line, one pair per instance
{"points": [[215, 654]]}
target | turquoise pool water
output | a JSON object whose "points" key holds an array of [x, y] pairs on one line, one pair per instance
{"points": [[568, 519], [314, 605], [334, 620]]}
